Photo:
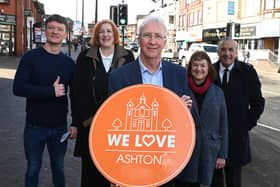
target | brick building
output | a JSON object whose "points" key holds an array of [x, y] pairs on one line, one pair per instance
{"points": [[16, 23]]}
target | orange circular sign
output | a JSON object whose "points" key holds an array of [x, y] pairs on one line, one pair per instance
{"points": [[142, 135]]}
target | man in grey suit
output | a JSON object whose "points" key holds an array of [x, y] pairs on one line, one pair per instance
{"points": [[150, 69]]}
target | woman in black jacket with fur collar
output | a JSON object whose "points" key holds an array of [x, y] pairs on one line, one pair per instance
{"points": [[90, 87]]}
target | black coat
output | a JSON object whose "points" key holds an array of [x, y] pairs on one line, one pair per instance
{"points": [[90, 89], [245, 104]]}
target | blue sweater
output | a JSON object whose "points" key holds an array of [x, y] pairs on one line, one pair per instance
{"points": [[36, 73]]}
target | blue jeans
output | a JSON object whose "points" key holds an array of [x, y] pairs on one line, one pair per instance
{"points": [[35, 139]]}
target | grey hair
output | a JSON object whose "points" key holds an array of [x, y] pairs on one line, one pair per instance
{"points": [[155, 19], [220, 43]]}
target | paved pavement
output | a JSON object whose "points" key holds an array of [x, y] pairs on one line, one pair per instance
{"points": [[266, 69], [12, 162]]}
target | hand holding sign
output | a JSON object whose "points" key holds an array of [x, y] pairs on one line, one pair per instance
{"points": [[142, 135]]}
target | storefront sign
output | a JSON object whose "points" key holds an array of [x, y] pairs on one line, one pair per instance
{"points": [[248, 31], [189, 36], [142, 135], [27, 13], [91, 25], [37, 34], [230, 7], [213, 34], [270, 28], [7, 19]]}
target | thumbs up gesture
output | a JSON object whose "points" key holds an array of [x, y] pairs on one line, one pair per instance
{"points": [[58, 88]]}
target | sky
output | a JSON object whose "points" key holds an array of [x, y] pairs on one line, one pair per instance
{"points": [[67, 8]]}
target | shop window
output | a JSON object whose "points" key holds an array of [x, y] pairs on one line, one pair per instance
{"points": [[171, 19], [269, 4], [199, 17], [277, 3], [5, 1]]}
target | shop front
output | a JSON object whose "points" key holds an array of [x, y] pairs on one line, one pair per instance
{"points": [[7, 34], [270, 33], [249, 38], [185, 38], [213, 35]]}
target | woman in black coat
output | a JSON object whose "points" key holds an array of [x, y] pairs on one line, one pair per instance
{"points": [[90, 87]]}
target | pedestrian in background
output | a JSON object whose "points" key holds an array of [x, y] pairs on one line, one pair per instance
{"points": [[149, 68], [43, 77], [247, 57], [210, 101], [245, 104], [90, 87]]}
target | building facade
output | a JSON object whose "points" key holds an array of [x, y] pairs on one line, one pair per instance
{"points": [[131, 32], [166, 9], [16, 25], [254, 24]]}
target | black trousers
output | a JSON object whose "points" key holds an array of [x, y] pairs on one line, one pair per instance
{"points": [[176, 183], [232, 177], [91, 177]]}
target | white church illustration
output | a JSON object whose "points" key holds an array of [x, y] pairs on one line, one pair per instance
{"points": [[142, 117]]}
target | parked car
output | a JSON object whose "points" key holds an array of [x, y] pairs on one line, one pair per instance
{"points": [[210, 49], [133, 46], [170, 55]]}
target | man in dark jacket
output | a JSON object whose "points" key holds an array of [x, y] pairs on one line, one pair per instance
{"points": [[148, 68], [245, 104]]}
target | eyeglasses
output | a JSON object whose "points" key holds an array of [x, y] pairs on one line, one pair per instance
{"points": [[149, 36]]}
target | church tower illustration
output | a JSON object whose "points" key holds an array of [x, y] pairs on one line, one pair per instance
{"points": [[142, 116]]}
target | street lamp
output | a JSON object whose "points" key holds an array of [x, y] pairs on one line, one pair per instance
{"points": [[69, 37], [30, 34], [96, 10], [82, 29]]}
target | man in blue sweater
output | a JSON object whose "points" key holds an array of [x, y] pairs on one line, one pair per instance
{"points": [[43, 77]]}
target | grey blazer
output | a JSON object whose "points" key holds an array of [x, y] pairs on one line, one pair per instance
{"points": [[212, 137]]}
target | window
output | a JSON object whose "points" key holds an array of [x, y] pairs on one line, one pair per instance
{"points": [[5, 1], [195, 18], [191, 18], [277, 3], [199, 17], [269, 4], [171, 19]]}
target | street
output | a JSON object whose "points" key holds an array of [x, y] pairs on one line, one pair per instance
{"points": [[265, 138]]}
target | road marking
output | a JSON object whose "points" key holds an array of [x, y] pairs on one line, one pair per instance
{"points": [[7, 73], [269, 127], [270, 92]]}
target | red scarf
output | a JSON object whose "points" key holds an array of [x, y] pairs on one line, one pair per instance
{"points": [[201, 89]]}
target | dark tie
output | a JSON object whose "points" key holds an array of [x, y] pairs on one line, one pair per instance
{"points": [[225, 82]]}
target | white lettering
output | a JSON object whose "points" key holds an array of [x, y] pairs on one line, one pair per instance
{"points": [[125, 141], [171, 141], [160, 142], [139, 159], [114, 140], [137, 144]]}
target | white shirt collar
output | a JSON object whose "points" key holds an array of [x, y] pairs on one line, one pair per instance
{"points": [[107, 60], [106, 57], [143, 68], [222, 68]]}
